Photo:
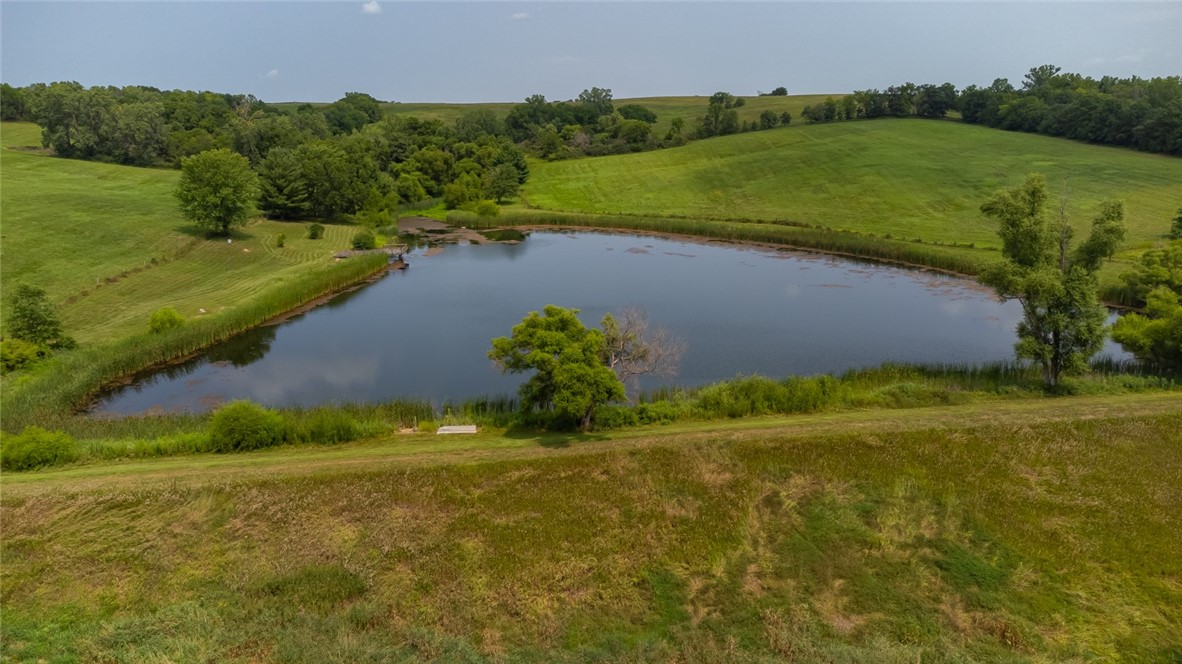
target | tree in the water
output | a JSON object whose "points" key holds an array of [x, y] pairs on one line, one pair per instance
{"points": [[570, 378], [1062, 325]]}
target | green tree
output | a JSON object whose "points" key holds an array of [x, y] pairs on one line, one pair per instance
{"points": [[502, 182], [637, 112], [30, 317], [1157, 267], [1176, 229], [13, 103], [570, 377], [1063, 322], [1155, 338], [768, 120], [217, 190], [283, 191], [597, 100]]}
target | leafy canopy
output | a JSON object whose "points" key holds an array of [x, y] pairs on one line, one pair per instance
{"points": [[32, 318], [217, 190], [1063, 323], [570, 378], [1155, 338], [1157, 267]]}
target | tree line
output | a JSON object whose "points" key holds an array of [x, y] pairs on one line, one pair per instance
{"points": [[1144, 114], [344, 159]]}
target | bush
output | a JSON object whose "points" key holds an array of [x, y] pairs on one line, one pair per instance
{"points": [[165, 318], [364, 239], [614, 417], [315, 231], [428, 426], [326, 426], [35, 447], [17, 354], [242, 425], [658, 412], [487, 209], [281, 240]]}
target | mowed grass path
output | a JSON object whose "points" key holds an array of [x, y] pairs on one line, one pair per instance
{"points": [[108, 243], [904, 178], [1042, 531]]}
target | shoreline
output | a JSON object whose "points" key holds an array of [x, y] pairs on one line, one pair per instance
{"points": [[85, 405]]}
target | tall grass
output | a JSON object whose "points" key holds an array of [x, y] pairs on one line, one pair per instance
{"points": [[959, 259], [51, 394]]}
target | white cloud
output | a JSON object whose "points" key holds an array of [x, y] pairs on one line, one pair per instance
{"points": [[371, 7], [1132, 57], [520, 15], [274, 73]]}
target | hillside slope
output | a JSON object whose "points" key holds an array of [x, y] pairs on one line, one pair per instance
{"points": [[905, 178], [109, 245]]}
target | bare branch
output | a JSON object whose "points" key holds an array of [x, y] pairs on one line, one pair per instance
{"points": [[635, 349]]}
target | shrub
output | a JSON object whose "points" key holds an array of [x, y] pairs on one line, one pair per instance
{"points": [[242, 425], [428, 426], [281, 240], [614, 417], [658, 412], [35, 447], [487, 209], [315, 231], [17, 354], [332, 426], [165, 318], [364, 239]]}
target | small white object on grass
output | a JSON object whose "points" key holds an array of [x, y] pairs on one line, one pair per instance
{"points": [[458, 428]]}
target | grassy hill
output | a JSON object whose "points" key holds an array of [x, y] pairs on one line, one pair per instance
{"points": [[109, 245], [904, 178], [1014, 532]]}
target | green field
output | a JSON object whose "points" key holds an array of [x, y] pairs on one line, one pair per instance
{"points": [[1015, 532], [109, 245], [903, 178]]}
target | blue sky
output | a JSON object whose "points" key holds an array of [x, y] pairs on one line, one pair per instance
{"points": [[505, 51]]}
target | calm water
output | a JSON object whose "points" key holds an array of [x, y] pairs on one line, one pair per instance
{"points": [[424, 332]]}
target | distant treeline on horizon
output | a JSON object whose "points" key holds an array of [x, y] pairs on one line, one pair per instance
{"points": [[1144, 114]]}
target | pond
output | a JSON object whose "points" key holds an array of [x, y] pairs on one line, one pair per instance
{"points": [[424, 332]]}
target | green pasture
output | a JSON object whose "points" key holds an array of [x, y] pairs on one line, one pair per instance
{"points": [[1017, 532], [903, 179], [109, 245]]}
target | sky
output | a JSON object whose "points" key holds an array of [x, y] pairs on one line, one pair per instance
{"points": [[506, 51]]}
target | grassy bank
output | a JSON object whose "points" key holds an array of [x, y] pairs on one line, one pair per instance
{"points": [[49, 393], [959, 259], [890, 179], [1026, 532], [92, 440]]}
